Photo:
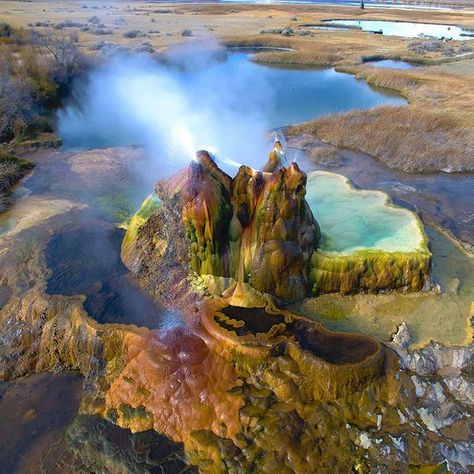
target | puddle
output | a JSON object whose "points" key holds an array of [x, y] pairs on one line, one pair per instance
{"points": [[390, 64], [34, 415], [41, 431], [333, 347], [256, 320]]}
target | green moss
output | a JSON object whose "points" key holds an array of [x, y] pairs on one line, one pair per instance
{"points": [[151, 204], [118, 207], [333, 312], [369, 270], [112, 415], [429, 469], [129, 412], [144, 392]]}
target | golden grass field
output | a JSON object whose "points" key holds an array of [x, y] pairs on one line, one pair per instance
{"points": [[436, 131]]}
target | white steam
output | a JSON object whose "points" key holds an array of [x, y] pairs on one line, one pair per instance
{"points": [[173, 110]]}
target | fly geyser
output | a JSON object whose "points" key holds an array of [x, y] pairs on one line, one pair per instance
{"points": [[257, 231]]}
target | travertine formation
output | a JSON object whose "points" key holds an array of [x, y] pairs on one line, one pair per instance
{"points": [[256, 229], [249, 391], [244, 385]]}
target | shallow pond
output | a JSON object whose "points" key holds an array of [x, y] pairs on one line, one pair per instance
{"points": [[41, 430], [405, 29], [353, 219], [34, 415], [442, 198], [86, 260], [275, 96]]}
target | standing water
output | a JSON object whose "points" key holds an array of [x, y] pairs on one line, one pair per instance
{"points": [[405, 29], [277, 97]]}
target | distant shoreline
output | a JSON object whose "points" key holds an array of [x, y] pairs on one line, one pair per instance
{"points": [[403, 4]]}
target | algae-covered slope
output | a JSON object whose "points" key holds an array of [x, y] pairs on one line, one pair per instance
{"points": [[139, 219], [367, 242]]}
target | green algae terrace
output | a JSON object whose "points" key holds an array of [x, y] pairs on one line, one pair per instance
{"points": [[358, 219], [367, 242]]}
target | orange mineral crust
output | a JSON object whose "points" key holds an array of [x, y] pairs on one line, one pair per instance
{"points": [[176, 385]]}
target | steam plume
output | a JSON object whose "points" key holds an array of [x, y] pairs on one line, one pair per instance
{"points": [[173, 109]]}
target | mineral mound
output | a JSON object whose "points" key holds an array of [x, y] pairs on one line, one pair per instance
{"points": [[254, 231]]}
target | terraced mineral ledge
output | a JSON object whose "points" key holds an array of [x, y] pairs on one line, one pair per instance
{"points": [[368, 243]]}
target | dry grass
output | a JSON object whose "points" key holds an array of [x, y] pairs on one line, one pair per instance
{"points": [[412, 139], [12, 170], [403, 81], [445, 90], [327, 156], [436, 3], [320, 49], [435, 132], [305, 52], [161, 25], [441, 111]]}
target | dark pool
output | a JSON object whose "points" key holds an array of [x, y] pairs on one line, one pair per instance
{"points": [[256, 320], [336, 348], [42, 431], [86, 260]]}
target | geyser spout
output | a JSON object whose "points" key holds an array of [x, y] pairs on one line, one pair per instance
{"points": [[276, 158]]}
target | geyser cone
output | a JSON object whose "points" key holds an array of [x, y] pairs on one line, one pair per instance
{"points": [[256, 229]]}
